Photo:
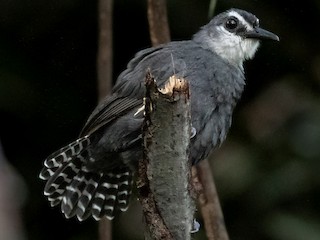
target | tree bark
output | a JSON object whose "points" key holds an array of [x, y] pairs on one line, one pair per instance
{"points": [[164, 173]]}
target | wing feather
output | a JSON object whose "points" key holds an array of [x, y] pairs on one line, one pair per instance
{"points": [[163, 62]]}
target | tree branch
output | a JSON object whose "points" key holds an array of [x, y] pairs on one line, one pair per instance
{"points": [[164, 172], [158, 22], [104, 74], [104, 59], [209, 201]]}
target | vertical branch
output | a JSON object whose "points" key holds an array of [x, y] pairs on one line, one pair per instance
{"points": [[212, 8], [104, 59], [104, 74], [158, 22], [105, 229], [164, 171], [209, 202]]}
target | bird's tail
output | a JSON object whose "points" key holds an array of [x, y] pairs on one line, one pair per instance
{"points": [[81, 192]]}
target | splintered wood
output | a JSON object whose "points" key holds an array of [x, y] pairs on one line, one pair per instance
{"points": [[175, 84]]}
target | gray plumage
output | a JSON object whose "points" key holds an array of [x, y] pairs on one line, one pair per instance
{"points": [[93, 175]]}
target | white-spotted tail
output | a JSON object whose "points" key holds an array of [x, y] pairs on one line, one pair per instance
{"points": [[83, 193]]}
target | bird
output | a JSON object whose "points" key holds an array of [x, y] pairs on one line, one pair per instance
{"points": [[93, 175]]}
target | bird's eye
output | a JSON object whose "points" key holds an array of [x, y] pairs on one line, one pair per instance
{"points": [[232, 23]]}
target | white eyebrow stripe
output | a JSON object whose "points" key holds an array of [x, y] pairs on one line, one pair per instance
{"points": [[241, 19]]}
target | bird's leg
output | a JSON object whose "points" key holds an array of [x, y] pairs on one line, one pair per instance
{"points": [[195, 227], [193, 132]]}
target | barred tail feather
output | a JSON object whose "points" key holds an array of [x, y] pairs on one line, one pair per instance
{"points": [[101, 196], [62, 177], [83, 193], [125, 182], [83, 210], [72, 194], [59, 157]]}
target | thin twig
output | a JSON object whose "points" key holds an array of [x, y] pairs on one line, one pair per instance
{"points": [[105, 53], [104, 74], [209, 202], [158, 22]]}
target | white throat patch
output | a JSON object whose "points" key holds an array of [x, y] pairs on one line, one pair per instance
{"points": [[235, 49], [228, 45]]}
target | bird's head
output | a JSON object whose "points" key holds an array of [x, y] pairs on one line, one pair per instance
{"points": [[234, 35]]}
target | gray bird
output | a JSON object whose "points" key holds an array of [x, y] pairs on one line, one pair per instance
{"points": [[92, 176]]}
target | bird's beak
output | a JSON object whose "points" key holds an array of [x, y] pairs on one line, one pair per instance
{"points": [[260, 33]]}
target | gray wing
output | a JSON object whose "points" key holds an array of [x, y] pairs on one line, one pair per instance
{"points": [[163, 62], [109, 110], [129, 90]]}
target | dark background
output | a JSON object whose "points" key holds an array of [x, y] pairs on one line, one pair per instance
{"points": [[267, 172]]}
